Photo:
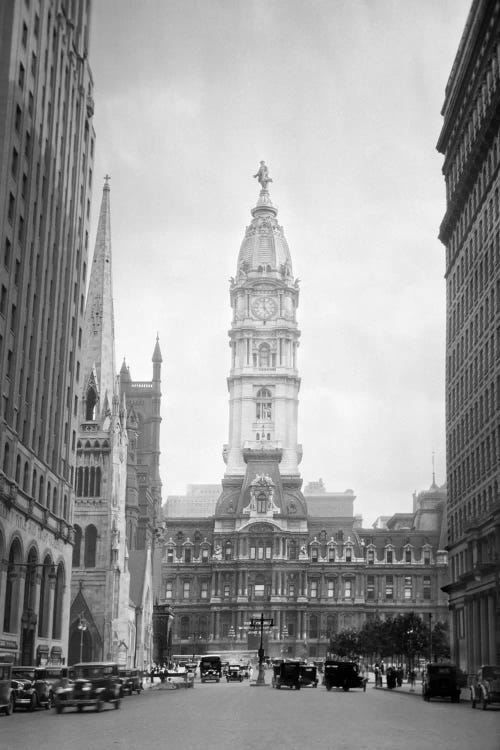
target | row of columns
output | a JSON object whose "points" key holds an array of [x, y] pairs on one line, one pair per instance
{"points": [[481, 631]]}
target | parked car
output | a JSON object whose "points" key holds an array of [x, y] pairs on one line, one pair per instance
{"points": [[93, 684], [6, 696], [485, 688], [440, 680], [53, 675], [308, 675], [233, 673], [286, 674], [131, 681], [343, 674], [33, 691]]}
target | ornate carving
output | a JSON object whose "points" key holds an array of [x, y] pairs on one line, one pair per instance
{"points": [[263, 175]]}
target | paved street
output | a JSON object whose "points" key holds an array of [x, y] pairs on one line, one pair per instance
{"points": [[236, 716]]}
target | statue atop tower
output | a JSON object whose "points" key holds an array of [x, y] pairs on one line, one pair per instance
{"points": [[263, 175]]}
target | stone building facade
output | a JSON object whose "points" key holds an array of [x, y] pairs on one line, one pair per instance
{"points": [[470, 231], [45, 198], [301, 559]]}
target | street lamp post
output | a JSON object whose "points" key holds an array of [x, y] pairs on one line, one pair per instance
{"points": [[430, 636], [260, 623], [82, 627]]}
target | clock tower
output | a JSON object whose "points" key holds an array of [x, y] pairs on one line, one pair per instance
{"points": [[263, 381]]}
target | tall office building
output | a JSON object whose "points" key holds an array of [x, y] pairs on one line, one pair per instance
{"points": [[46, 158], [470, 230]]}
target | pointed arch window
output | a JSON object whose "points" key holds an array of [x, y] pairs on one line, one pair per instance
{"points": [[33, 484], [264, 404], [18, 469], [26, 477], [90, 404], [77, 546], [90, 546], [5, 466]]}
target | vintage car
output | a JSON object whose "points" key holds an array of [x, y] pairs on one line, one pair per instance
{"points": [[441, 681], [210, 668], [286, 674], [33, 691], [93, 684], [308, 675], [6, 697], [53, 676], [233, 673], [131, 681], [485, 688], [343, 674]]}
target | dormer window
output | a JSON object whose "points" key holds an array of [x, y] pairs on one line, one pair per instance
{"points": [[314, 553], [90, 405], [348, 555], [170, 555], [370, 557], [389, 556], [261, 503], [187, 554], [408, 555], [331, 554], [204, 555]]}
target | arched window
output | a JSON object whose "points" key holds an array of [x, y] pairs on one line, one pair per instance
{"points": [[30, 581], [49, 490], [97, 482], [26, 476], [55, 509], [86, 482], [90, 404], [92, 481], [33, 484], [43, 610], [228, 551], [264, 355], [5, 465], [264, 404], [77, 547], [90, 546], [18, 469], [58, 603], [65, 507], [10, 624], [40, 491], [79, 481]]}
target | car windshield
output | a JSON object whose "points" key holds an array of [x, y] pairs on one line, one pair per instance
{"points": [[90, 671], [23, 674], [491, 673]]}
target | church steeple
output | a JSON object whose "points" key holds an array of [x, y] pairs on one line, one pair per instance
{"points": [[98, 366]]}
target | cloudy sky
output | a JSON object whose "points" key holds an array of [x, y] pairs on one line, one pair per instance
{"points": [[342, 100]]}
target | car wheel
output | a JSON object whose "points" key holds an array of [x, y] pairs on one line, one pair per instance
{"points": [[473, 702], [59, 708], [118, 703], [79, 709], [484, 703], [99, 705], [9, 708], [328, 687], [33, 703]]}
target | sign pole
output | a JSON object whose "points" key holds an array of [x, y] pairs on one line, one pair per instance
{"points": [[260, 623]]}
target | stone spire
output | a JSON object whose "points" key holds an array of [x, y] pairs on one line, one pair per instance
{"points": [[99, 329]]}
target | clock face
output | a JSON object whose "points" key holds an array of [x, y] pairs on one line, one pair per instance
{"points": [[264, 307]]}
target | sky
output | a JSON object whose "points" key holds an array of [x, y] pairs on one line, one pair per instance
{"points": [[342, 99]]}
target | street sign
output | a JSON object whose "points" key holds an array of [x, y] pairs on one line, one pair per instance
{"points": [[263, 622]]}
